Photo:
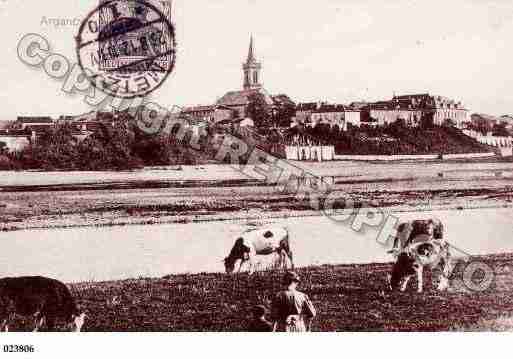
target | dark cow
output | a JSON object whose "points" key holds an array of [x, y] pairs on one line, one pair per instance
{"points": [[46, 300], [263, 241]]}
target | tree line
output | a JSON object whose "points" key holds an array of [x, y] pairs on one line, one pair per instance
{"points": [[113, 146]]}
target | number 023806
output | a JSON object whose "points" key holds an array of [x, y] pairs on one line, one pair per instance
{"points": [[8, 348]]}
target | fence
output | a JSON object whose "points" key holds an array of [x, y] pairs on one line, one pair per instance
{"points": [[412, 157], [495, 141], [310, 153]]}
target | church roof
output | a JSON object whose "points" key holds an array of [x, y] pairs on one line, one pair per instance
{"points": [[199, 108], [241, 98]]}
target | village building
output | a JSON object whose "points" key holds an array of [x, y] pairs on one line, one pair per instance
{"points": [[413, 109], [25, 131], [15, 140], [304, 112], [37, 124], [314, 113], [385, 113], [208, 113], [327, 114]]}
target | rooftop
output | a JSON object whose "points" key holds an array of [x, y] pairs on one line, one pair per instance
{"points": [[35, 119], [241, 98], [199, 108]]}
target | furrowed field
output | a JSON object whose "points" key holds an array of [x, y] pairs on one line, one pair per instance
{"points": [[348, 298]]}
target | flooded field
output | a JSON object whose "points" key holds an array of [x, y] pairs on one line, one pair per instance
{"points": [[97, 254]]}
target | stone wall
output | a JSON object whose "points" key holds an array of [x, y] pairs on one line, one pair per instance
{"points": [[310, 153], [411, 157], [495, 141]]}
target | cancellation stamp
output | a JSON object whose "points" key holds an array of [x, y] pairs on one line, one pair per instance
{"points": [[127, 49]]}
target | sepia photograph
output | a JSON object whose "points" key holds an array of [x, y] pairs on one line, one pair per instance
{"points": [[172, 166]]}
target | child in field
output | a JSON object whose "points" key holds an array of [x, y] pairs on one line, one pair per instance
{"points": [[259, 323]]}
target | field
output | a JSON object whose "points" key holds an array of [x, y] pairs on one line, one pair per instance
{"points": [[31, 200], [348, 298]]}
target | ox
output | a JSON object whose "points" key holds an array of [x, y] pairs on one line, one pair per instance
{"points": [[46, 300], [263, 241], [412, 260]]}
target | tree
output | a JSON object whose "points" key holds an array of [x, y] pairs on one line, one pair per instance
{"points": [[284, 111], [499, 129], [449, 123], [400, 122], [259, 111], [481, 124], [427, 122], [334, 134], [56, 148]]}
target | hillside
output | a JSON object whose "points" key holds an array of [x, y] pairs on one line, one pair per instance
{"points": [[395, 139]]}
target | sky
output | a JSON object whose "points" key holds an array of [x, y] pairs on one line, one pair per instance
{"points": [[339, 51]]}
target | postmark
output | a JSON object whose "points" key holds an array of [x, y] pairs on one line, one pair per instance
{"points": [[127, 48]]}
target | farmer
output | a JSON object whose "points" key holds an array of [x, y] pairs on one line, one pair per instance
{"points": [[292, 310], [259, 323]]}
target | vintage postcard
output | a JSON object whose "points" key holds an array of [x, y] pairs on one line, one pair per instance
{"points": [[254, 166]]}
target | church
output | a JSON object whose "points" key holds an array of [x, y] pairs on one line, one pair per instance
{"points": [[239, 100], [233, 105]]}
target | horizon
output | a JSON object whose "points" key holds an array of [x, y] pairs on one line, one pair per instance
{"points": [[465, 57]]}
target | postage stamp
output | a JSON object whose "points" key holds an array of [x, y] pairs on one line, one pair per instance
{"points": [[127, 48]]}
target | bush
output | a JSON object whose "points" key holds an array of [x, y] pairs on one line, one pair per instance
{"points": [[5, 163]]}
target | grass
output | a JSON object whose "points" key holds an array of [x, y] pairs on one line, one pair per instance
{"points": [[502, 324], [347, 297]]}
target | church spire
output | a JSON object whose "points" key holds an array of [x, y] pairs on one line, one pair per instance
{"points": [[251, 51], [251, 69]]}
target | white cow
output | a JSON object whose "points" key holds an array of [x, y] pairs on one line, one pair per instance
{"points": [[262, 241]]}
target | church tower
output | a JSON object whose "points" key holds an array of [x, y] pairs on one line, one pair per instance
{"points": [[251, 70]]}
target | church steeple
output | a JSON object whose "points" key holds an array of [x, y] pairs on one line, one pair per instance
{"points": [[251, 69], [251, 52]]}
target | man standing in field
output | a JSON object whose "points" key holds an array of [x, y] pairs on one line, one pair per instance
{"points": [[292, 310]]}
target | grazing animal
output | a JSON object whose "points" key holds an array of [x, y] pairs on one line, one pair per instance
{"points": [[46, 300], [263, 241], [412, 260], [412, 231]]}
